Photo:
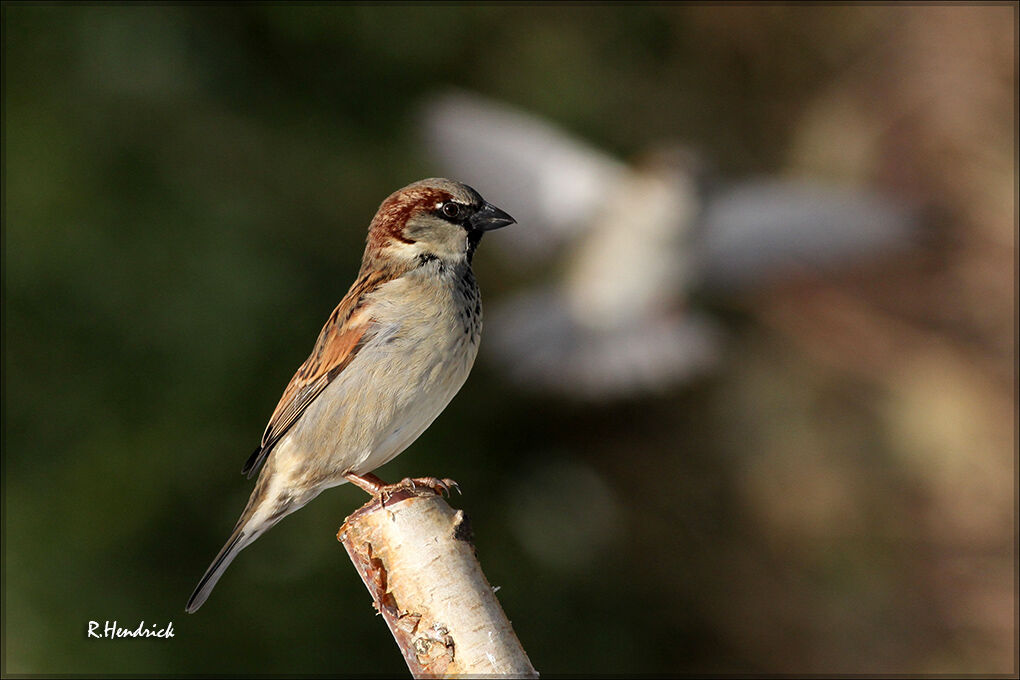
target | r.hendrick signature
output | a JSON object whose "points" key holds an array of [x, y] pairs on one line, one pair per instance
{"points": [[112, 630]]}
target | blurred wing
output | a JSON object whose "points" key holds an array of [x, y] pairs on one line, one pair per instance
{"points": [[757, 231], [344, 334], [550, 181], [538, 342]]}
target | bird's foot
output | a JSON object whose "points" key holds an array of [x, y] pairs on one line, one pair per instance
{"points": [[377, 488], [440, 486]]}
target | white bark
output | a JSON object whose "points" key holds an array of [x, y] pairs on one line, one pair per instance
{"points": [[416, 558]]}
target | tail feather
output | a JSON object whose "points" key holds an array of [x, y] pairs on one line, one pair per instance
{"points": [[268, 504], [238, 540], [271, 500]]}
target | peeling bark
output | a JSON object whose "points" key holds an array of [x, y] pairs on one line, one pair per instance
{"points": [[416, 557]]}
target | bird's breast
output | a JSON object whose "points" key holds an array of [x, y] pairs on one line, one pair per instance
{"points": [[443, 308], [422, 346]]}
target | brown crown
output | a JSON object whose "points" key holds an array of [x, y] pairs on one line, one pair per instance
{"points": [[395, 211]]}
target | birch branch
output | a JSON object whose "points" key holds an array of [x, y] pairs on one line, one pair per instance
{"points": [[418, 562]]}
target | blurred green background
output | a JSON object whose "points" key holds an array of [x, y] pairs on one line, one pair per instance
{"points": [[186, 194]]}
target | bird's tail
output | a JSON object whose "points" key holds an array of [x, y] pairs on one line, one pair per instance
{"points": [[264, 510], [238, 540]]}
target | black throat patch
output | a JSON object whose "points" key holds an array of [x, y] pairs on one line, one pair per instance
{"points": [[474, 237]]}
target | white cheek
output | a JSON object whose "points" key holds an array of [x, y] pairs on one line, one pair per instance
{"points": [[451, 244], [399, 250], [447, 244]]}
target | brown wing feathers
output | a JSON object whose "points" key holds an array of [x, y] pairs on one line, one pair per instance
{"points": [[339, 341]]}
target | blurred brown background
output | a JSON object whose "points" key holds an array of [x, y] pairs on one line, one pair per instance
{"points": [[186, 194]]}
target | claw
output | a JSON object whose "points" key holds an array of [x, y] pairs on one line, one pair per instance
{"points": [[439, 486]]}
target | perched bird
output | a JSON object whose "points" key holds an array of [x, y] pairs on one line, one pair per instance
{"points": [[390, 358], [630, 244]]}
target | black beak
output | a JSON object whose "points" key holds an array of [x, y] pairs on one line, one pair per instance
{"points": [[489, 217]]}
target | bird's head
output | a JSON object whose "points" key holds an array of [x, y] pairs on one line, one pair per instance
{"points": [[433, 219]]}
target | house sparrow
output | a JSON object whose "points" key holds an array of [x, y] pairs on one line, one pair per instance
{"points": [[631, 243], [388, 361]]}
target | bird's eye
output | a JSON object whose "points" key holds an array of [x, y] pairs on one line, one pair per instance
{"points": [[451, 210]]}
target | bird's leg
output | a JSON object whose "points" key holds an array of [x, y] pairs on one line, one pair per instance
{"points": [[367, 482], [373, 486]]}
